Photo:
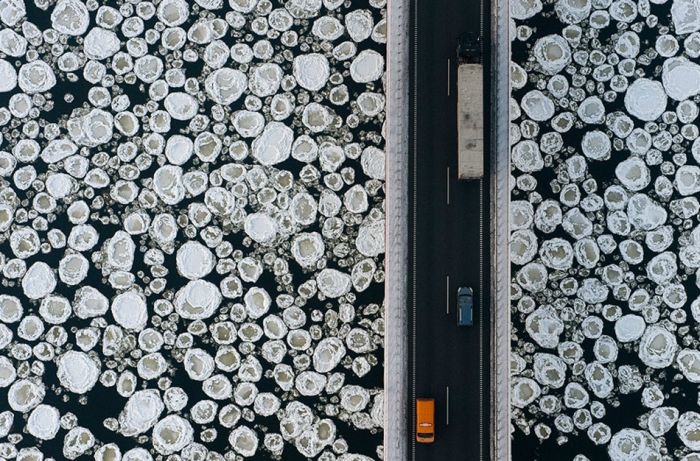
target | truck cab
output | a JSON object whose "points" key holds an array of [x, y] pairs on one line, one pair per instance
{"points": [[425, 420], [469, 48]]}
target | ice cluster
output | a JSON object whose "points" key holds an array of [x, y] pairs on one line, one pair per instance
{"points": [[605, 228], [191, 229]]}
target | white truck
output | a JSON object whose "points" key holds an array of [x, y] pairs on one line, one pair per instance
{"points": [[470, 108]]}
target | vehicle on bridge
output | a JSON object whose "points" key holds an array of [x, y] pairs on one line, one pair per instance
{"points": [[425, 420], [470, 107], [465, 304]]}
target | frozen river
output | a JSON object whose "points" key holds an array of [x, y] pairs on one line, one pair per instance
{"points": [[192, 229], [605, 243]]}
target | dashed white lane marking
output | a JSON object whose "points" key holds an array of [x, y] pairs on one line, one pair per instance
{"points": [[448, 76], [447, 405], [447, 294], [448, 185]]}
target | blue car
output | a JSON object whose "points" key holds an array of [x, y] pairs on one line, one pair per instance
{"points": [[465, 303]]}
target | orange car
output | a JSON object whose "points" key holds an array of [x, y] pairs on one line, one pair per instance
{"points": [[425, 420]]}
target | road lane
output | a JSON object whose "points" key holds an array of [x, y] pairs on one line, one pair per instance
{"points": [[448, 362]]}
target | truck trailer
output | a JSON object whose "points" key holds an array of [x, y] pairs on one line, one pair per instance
{"points": [[470, 108]]}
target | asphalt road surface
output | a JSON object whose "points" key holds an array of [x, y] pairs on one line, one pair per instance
{"points": [[448, 243]]}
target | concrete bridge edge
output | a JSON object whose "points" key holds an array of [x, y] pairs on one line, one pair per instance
{"points": [[396, 208], [500, 234]]}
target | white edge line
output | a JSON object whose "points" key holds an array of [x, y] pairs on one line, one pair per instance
{"points": [[481, 319], [414, 224]]}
